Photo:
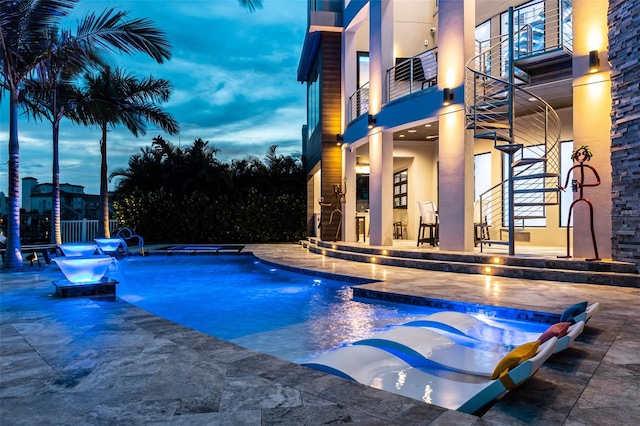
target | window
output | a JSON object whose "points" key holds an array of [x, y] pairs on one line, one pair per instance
{"points": [[529, 209], [483, 34], [529, 31], [313, 101], [482, 174], [566, 196], [362, 101], [400, 189], [567, 25]]}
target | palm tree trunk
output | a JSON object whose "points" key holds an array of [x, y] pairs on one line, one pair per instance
{"points": [[13, 255], [103, 222], [56, 236]]}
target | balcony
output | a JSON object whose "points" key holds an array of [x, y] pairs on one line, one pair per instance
{"points": [[411, 75]]}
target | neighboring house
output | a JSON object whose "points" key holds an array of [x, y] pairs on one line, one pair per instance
{"points": [[74, 203], [35, 217], [410, 101]]}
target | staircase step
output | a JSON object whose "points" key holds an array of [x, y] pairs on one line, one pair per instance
{"points": [[563, 270], [536, 204], [489, 105], [488, 114], [535, 190], [494, 136], [508, 148], [528, 161], [536, 176], [488, 125]]}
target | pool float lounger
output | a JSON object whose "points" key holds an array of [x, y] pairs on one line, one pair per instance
{"points": [[430, 347], [469, 326], [380, 369]]}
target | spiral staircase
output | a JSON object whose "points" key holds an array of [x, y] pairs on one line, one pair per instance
{"points": [[520, 124]]}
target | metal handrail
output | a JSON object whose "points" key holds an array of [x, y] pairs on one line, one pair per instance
{"points": [[415, 74], [359, 102]]}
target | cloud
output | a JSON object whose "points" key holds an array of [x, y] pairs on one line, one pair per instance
{"points": [[234, 84]]}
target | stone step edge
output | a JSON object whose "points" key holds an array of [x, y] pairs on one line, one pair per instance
{"points": [[561, 264], [571, 276]]}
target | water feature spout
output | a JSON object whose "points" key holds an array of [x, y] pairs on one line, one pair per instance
{"points": [[78, 249], [85, 269], [115, 247]]}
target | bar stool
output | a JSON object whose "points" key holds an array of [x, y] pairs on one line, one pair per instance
{"points": [[397, 231], [361, 224]]}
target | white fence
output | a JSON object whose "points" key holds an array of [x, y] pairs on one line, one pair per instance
{"points": [[81, 231]]}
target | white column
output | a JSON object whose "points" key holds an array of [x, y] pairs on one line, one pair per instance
{"points": [[349, 69], [381, 188], [456, 26], [592, 126], [380, 144], [349, 208]]}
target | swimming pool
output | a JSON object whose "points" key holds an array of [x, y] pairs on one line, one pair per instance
{"points": [[237, 298]]}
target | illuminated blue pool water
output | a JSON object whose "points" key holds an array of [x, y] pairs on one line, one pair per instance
{"points": [[237, 298]]}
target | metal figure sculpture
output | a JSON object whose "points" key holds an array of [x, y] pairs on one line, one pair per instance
{"points": [[338, 197], [581, 154]]}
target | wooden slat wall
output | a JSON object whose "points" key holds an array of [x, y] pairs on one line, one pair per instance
{"points": [[331, 95]]}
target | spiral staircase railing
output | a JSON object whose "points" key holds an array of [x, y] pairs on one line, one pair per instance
{"points": [[523, 126]]}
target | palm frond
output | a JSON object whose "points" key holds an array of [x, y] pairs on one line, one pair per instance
{"points": [[111, 31], [251, 5]]}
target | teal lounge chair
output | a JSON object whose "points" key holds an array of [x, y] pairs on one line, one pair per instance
{"points": [[466, 325], [457, 391], [423, 346]]}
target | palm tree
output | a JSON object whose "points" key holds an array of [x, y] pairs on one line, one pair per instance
{"points": [[48, 96], [24, 26], [113, 97], [26, 43], [53, 92]]}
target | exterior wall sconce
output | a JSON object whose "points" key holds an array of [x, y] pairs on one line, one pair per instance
{"points": [[594, 61], [371, 121], [339, 139], [447, 96]]}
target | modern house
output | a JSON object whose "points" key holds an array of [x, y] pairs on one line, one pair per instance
{"points": [[476, 106], [74, 203]]}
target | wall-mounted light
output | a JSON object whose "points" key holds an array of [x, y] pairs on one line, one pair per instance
{"points": [[447, 96], [594, 61], [339, 139], [371, 121]]}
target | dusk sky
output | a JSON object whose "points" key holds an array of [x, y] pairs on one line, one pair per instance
{"points": [[234, 84]]}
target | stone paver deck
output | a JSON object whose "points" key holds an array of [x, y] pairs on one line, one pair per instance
{"points": [[93, 360]]}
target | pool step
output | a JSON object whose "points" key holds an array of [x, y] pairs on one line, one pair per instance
{"points": [[564, 270]]}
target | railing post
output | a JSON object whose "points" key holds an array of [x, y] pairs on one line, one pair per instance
{"points": [[83, 234], [512, 237]]}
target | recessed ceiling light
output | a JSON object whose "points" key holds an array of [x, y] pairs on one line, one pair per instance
{"points": [[412, 130], [402, 136], [427, 125], [432, 137], [532, 99]]}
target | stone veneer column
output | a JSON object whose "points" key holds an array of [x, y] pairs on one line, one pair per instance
{"points": [[624, 57]]}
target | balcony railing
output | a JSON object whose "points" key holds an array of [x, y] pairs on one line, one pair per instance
{"points": [[359, 103], [412, 75], [542, 26]]}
